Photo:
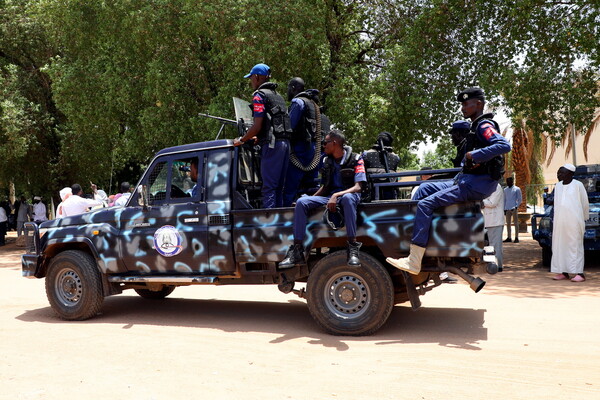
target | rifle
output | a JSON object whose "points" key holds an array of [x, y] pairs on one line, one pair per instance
{"points": [[224, 121], [383, 154]]}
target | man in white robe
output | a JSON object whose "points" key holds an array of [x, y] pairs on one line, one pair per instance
{"points": [[493, 216], [571, 210]]}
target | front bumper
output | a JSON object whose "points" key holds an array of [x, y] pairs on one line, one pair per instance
{"points": [[31, 260], [29, 265]]}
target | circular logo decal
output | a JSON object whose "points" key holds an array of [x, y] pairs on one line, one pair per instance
{"points": [[167, 241]]}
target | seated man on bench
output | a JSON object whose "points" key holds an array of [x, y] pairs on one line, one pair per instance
{"points": [[343, 177]]}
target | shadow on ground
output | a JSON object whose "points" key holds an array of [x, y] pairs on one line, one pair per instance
{"points": [[460, 328]]}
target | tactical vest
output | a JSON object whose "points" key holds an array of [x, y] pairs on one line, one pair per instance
{"points": [[348, 165], [276, 124], [307, 126], [493, 167], [374, 163]]}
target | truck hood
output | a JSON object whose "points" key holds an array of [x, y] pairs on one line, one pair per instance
{"points": [[104, 215]]}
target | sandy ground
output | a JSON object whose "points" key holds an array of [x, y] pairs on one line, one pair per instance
{"points": [[523, 336]]}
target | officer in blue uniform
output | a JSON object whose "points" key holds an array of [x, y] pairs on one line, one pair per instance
{"points": [[343, 177], [482, 168], [458, 134], [305, 115], [272, 128]]}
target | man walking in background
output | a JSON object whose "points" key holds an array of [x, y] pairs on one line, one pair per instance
{"points": [[512, 201]]}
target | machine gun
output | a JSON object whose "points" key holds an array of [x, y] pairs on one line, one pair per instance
{"points": [[243, 117]]}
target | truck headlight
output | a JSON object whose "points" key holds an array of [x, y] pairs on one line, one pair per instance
{"points": [[590, 184]]}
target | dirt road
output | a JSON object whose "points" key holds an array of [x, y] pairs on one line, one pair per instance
{"points": [[523, 336]]}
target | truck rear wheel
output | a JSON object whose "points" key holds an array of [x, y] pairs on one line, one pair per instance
{"points": [[73, 285], [347, 300], [155, 295]]}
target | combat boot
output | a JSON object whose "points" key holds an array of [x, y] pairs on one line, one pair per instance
{"points": [[412, 263], [353, 248], [293, 257]]}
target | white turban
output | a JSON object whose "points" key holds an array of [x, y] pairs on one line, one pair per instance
{"points": [[570, 167], [64, 192]]}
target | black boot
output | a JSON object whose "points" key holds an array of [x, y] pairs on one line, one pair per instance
{"points": [[353, 248], [293, 257]]}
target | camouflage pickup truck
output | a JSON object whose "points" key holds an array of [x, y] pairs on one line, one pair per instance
{"points": [[168, 235]]}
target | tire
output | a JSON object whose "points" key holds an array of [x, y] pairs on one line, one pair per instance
{"points": [[73, 285], [152, 295], [546, 256], [347, 300]]}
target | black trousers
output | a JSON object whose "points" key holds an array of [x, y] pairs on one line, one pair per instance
{"points": [[2, 233]]}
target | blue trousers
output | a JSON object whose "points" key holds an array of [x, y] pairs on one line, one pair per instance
{"points": [[467, 188], [349, 203], [428, 188], [273, 167], [295, 176]]}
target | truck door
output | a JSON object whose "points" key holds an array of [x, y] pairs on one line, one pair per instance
{"points": [[170, 235], [218, 203]]}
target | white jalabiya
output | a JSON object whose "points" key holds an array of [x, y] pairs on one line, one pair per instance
{"points": [[571, 209]]}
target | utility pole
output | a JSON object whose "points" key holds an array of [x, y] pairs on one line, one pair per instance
{"points": [[573, 137]]}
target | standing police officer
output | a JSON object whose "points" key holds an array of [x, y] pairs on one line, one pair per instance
{"points": [[482, 168], [272, 128], [305, 116]]}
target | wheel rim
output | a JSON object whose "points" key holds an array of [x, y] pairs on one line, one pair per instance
{"points": [[68, 287], [347, 296]]}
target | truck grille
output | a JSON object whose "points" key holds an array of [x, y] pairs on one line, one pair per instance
{"points": [[218, 220]]}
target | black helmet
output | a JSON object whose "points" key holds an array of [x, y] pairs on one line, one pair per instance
{"points": [[334, 219]]}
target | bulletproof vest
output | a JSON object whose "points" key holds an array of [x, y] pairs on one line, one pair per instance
{"points": [[348, 165], [276, 124], [493, 167], [307, 126], [374, 162]]}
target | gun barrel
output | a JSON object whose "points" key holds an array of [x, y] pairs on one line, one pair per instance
{"points": [[222, 120]]}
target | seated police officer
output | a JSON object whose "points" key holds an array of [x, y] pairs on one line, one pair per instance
{"points": [[305, 116], [482, 167], [272, 128], [380, 159], [343, 177], [458, 133]]}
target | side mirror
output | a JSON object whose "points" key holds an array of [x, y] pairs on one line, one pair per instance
{"points": [[143, 196]]}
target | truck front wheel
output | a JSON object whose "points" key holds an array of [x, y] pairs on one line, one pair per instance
{"points": [[73, 285], [347, 300]]}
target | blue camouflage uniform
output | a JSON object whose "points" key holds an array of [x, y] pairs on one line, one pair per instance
{"points": [[274, 159], [348, 202], [465, 187], [304, 151]]}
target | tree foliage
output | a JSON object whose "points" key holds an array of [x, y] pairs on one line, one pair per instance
{"points": [[90, 90]]}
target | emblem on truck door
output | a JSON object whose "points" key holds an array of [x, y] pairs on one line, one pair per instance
{"points": [[167, 241]]}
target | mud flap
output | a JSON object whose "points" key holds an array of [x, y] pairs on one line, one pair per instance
{"points": [[411, 290]]}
